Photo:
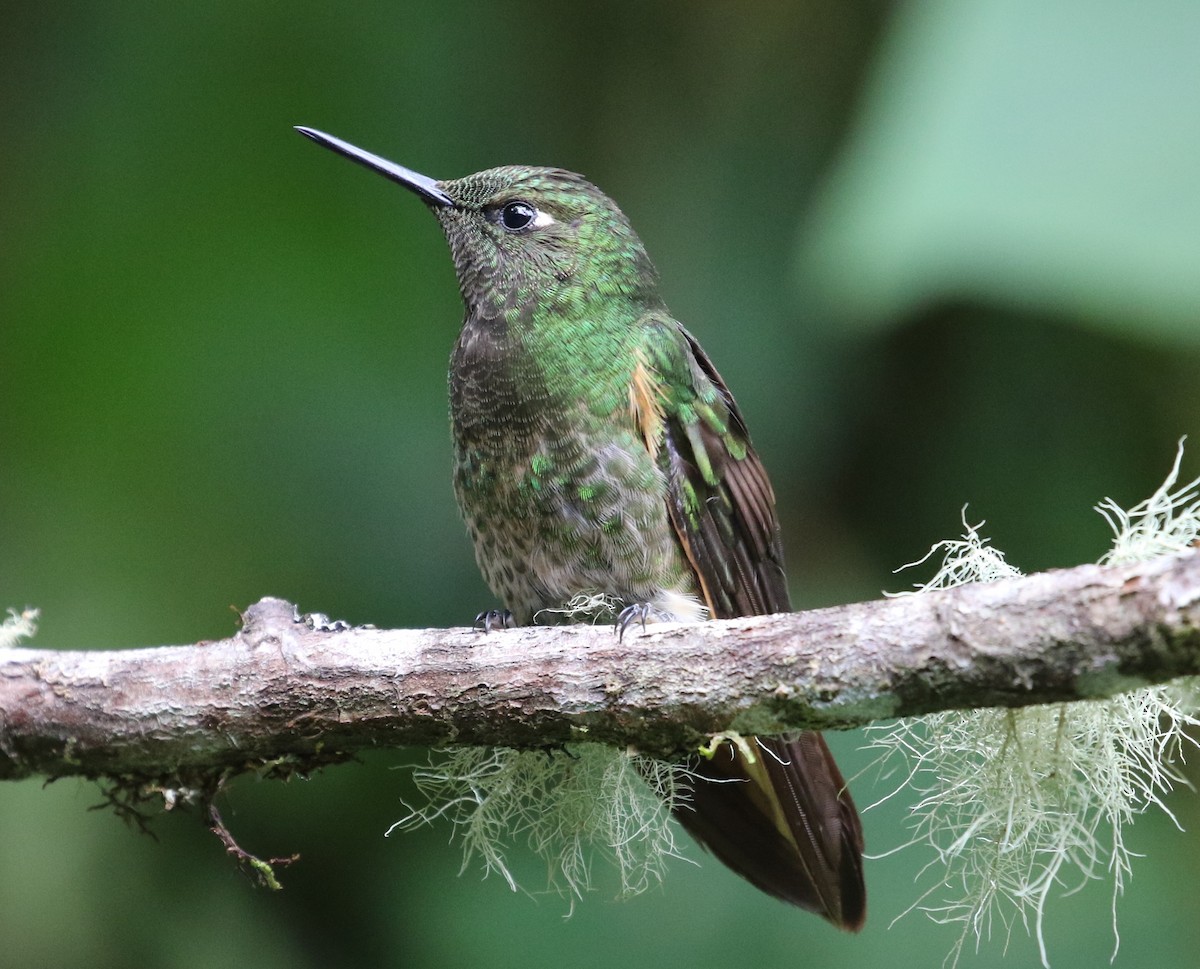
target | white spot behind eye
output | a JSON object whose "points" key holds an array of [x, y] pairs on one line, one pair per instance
{"points": [[543, 219]]}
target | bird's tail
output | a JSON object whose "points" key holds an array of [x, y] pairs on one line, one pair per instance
{"points": [[779, 814]]}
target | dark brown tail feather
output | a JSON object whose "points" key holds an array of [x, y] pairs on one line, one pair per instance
{"points": [[787, 824]]}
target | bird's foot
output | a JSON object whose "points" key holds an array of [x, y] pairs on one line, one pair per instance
{"points": [[319, 622], [491, 619], [638, 612]]}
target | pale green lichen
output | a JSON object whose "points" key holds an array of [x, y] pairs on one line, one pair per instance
{"points": [[1018, 803], [1164, 524], [964, 560], [18, 626], [568, 807]]}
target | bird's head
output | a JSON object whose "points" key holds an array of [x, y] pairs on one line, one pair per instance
{"points": [[525, 238]]}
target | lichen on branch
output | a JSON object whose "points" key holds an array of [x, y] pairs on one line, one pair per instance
{"points": [[1018, 803]]}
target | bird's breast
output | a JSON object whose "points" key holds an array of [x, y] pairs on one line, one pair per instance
{"points": [[558, 491]]}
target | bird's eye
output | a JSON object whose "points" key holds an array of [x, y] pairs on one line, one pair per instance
{"points": [[516, 216]]}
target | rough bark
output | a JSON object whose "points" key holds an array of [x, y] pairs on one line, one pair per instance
{"points": [[283, 695]]}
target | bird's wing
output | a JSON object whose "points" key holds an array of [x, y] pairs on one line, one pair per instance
{"points": [[775, 811], [719, 497]]}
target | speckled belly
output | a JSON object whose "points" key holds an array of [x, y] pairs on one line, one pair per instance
{"points": [[573, 517]]}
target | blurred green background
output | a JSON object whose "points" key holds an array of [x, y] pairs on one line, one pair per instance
{"points": [[943, 253]]}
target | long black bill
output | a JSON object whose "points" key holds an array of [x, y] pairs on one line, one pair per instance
{"points": [[423, 185]]}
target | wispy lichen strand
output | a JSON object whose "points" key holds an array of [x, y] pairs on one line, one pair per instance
{"points": [[1019, 803], [1165, 523], [568, 807], [19, 625]]}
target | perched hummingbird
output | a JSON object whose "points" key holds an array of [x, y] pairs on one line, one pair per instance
{"points": [[600, 459]]}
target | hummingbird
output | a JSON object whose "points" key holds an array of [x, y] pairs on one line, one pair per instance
{"points": [[603, 467]]}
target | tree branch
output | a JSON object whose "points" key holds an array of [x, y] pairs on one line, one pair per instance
{"points": [[281, 695]]}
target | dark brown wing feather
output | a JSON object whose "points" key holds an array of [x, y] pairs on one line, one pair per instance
{"points": [[785, 821]]}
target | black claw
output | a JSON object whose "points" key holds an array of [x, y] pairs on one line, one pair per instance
{"points": [[495, 618], [636, 613], [319, 622]]}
